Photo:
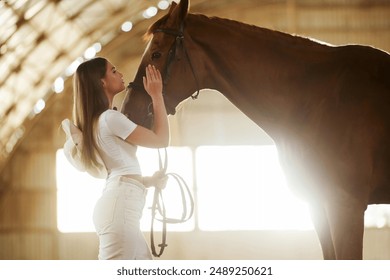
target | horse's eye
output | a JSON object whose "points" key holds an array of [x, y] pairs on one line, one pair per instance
{"points": [[156, 55]]}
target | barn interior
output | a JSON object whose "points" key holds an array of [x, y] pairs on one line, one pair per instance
{"points": [[243, 207]]}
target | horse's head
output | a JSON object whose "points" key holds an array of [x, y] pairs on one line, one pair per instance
{"points": [[166, 51]]}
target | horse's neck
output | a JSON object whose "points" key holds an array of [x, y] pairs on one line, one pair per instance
{"points": [[253, 67]]}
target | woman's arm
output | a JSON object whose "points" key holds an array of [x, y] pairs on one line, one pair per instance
{"points": [[158, 136]]}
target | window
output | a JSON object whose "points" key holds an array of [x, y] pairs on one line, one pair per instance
{"points": [[377, 216], [243, 188], [77, 192], [237, 188]]}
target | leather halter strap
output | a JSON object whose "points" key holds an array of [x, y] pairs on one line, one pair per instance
{"points": [[179, 42]]}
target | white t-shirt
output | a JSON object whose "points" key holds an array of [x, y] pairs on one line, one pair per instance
{"points": [[118, 155]]}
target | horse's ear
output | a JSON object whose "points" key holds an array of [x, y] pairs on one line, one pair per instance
{"points": [[173, 6], [178, 12]]}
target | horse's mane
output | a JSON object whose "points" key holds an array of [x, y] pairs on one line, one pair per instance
{"points": [[237, 24], [261, 30]]}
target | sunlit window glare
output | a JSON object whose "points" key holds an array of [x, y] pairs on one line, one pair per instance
{"points": [[77, 192], [244, 189], [237, 188], [377, 216]]}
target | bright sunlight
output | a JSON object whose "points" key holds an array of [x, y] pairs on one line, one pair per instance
{"points": [[236, 188], [244, 189]]}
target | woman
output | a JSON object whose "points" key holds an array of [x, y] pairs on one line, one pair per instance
{"points": [[108, 134]]}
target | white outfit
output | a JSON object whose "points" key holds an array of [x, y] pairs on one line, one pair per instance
{"points": [[118, 155], [117, 217], [118, 212]]}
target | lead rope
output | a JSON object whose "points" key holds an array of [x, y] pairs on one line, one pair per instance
{"points": [[159, 206]]}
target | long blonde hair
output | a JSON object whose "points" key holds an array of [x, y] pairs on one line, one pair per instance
{"points": [[89, 102]]}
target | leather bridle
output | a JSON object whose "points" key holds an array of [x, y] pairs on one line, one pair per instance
{"points": [[179, 43], [166, 73]]}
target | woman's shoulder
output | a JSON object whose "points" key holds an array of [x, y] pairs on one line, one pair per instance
{"points": [[111, 116], [114, 122]]}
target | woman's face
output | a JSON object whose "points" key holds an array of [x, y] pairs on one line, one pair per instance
{"points": [[113, 80]]}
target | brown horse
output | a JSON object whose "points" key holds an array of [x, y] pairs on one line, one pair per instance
{"points": [[327, 109]]}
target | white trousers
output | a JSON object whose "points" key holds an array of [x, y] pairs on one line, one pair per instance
{"points": [[117, 217]]}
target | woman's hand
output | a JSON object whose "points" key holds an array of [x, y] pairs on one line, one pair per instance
{"points": [[158, 180], [158, 135], [153, 82]]}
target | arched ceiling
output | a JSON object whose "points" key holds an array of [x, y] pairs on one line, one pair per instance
{"points": [[41, 41]]}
